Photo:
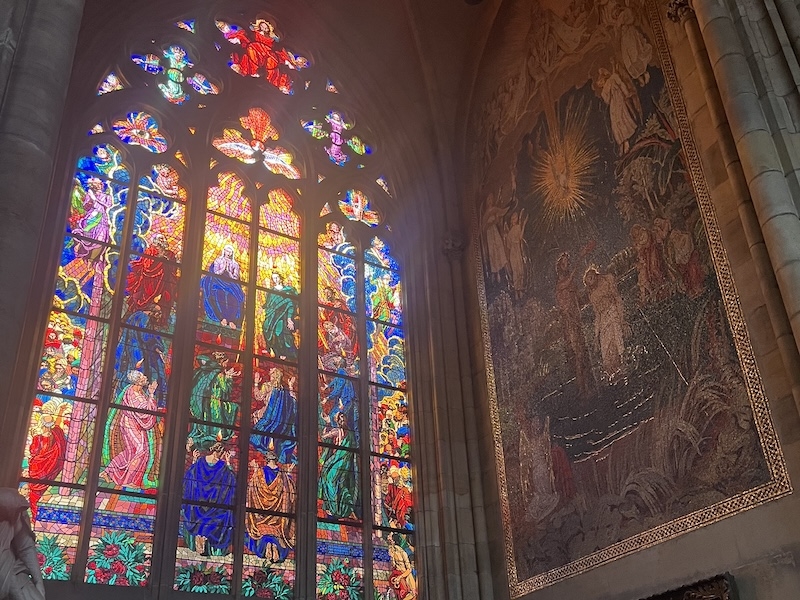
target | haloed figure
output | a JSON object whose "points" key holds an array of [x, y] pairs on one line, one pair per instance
{"points": [[222, 296]]}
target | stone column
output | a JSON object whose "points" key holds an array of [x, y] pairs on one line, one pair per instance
{"points": [[680, 12], [760, 161], [790, 16], [37, 44]]}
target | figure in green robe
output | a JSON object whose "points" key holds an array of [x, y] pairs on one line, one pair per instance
{"points": [[338, 474], [280, 320], [210, 400]]}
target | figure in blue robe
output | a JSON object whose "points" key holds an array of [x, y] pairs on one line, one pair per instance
{"points": [[222, 297], [142, 351], [341, 393], [278, 419], [208, 479]]}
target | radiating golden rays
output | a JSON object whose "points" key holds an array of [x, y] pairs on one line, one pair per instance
{"points": [[563, 171]]}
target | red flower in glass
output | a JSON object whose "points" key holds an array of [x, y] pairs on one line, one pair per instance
{"points": [[340, 578], [111, 550], [214, 578], [117, 567], [198, 578]]}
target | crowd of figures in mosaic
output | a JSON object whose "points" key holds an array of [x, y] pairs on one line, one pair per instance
{"points": [[620, 398], [169, 326]]}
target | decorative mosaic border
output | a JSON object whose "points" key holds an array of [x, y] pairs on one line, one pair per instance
{"points": [[777, 487]]}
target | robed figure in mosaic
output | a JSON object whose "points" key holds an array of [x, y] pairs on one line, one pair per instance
{"points": [[47, 452], [222, 298], [210, 400], [280, 320], [338, 476], [129, 452], [278, 416], [271, 489], [209, 479]]}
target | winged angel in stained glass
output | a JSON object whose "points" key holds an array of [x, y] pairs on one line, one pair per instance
{"points": [[233, 144], [338, 125], [176, 61], [259, 52]]}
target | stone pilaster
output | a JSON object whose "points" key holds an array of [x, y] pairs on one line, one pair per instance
{"points": [[37, 44], [760, 160], [680, 11]]}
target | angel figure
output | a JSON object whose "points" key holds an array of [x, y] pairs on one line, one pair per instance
{"points": [[338, 126], [259, 53], [176, 61], [278, 160]]}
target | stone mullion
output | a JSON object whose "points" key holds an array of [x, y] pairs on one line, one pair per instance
{"points": [[365, 432], [28, 147], [183, 347], [306, 501]]}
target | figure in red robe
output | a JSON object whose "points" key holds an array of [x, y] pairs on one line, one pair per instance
{"points": [[397, 500], [152, 281], [259, 52], [47, 452], [343, 320]]}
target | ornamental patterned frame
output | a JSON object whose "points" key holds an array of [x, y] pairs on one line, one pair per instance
{"points": [[186, 433]]}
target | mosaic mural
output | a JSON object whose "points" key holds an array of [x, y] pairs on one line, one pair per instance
{"points": [[627, 408]]}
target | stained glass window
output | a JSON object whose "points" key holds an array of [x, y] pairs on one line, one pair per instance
{"points": [[220, 400]]}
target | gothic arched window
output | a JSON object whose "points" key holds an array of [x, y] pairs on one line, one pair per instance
{"points": [[220, 405]]}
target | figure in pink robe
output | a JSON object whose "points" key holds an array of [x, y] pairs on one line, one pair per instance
{"points": [[129, 450]]}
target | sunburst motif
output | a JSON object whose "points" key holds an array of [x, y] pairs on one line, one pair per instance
{"points": [[563, 172]]}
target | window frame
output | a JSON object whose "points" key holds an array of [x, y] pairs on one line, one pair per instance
{"points": [[73, 144]]}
